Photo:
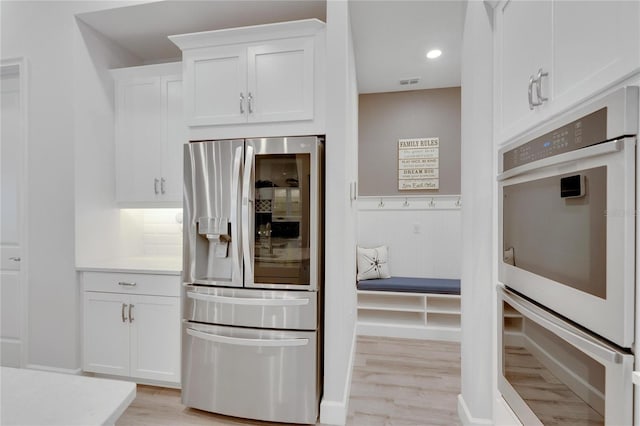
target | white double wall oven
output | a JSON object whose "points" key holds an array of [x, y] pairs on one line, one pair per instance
{"points": [[566, 302]]}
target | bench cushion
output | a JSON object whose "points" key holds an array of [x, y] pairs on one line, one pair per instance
{"points": [[412, 285]]}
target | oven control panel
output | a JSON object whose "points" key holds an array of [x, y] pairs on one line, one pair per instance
{"points": [[585, 131]]}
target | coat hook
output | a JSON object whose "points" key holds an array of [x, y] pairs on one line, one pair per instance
{"points": [[432, 203], [406, 202], [380, 204], [459, 202]]}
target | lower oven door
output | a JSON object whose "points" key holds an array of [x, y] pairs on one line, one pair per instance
{"points": [[552, 372], [251, 373]]}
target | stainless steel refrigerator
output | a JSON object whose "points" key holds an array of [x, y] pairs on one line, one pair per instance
{"points": [[252, 278]]}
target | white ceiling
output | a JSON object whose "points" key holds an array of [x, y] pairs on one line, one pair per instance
{"points": [[143, 29], [391, 37]]}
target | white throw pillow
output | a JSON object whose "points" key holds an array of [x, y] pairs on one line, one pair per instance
{"points": [[372, 263]]}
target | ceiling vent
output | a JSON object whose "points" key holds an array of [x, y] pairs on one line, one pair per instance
{"points": [[409, 81]]}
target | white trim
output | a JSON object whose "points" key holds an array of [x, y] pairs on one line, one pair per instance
{"points": [[335, 412], [465, 415], [20, 63], [73, 371], [503, 415]]}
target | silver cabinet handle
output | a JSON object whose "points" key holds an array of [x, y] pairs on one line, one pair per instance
{"points": [[241, 103], [156, 181], [127, 284], [162, 183], [131, 312], [124, 318], [250, 102], [216, 338], [537, 102], [15, 259], [539, 76], [531, 105]]}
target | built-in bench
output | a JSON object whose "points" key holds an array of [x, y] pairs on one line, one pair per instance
{"points": [[419, 308]]}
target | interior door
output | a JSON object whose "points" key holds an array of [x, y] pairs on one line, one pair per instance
{"points": [[11, 295]]}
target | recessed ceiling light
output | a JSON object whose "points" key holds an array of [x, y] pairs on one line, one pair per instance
{"points": [[434, 53]]}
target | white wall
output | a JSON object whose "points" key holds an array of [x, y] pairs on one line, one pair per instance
{"points": [[45, 33], [478, 188], [340, 214], [424, 241]]}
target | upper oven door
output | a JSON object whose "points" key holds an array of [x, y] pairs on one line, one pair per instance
{"points": [[567, 235]]}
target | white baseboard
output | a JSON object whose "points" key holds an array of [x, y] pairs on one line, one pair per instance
{"points": [[10, 352], [335, 412], [503, 414], [465, 415], [409, 332], [76, 371]]}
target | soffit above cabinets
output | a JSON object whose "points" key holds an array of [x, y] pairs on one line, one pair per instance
{"points": [[391, 39], [143, 29]]}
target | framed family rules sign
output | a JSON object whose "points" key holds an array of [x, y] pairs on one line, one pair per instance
{"points": [[418, 164]]}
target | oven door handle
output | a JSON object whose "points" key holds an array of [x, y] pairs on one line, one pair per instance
{"points": [[567, 157], [572, 335], [246, 300], [241, 341]]}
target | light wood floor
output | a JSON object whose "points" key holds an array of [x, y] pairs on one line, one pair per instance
{"points": [[395, 382]]}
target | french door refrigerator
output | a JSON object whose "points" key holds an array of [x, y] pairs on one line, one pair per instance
{"points": [[252, 278]]}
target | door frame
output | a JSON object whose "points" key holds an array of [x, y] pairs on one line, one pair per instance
{"points": [[18, 65]]}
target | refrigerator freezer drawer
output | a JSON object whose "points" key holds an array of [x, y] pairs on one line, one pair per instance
{"points": [[251, 308], [258, 374]]}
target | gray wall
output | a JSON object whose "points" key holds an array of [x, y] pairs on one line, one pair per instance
{"points": [[386, 117]]}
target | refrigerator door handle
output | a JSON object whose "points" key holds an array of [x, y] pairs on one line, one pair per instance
{"points": [[246, 300], [235, 215], [247, 201], [238, 341]]}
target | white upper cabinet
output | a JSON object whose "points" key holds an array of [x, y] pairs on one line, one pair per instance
{"points": [[216, 87], [266, 80], [552, 54], [150, 132]]}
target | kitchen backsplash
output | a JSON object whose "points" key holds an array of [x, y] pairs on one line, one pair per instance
{"points": [[151, 232], [162, 232]]}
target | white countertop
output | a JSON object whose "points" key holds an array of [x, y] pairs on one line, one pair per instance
{"points": [[146, 265], [31, 397]]}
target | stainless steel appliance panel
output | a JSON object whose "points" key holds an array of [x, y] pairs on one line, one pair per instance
{"points": [[282, 309], [212, 230], [260, 374], [554, 373]]}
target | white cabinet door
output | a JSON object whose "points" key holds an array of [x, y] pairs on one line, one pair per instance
{"points": [[106, 333], [138, 139], [174, 137], [523, 47], [596, 43], [280, 80], [155, 338], [216, 86]]}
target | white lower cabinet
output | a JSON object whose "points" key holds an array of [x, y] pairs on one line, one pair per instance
{"points": [[127, 334]]}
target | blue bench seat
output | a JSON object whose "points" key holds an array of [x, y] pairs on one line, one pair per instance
{"points": [[412, 285]]}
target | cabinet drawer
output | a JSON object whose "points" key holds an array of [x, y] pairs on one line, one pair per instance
{"points": [[116, 282]]}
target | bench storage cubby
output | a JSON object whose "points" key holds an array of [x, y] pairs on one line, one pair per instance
{"points": [[419, 308]]}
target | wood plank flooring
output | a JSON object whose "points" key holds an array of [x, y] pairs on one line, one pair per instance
{"points": [[395, 382]]}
